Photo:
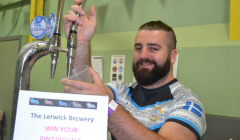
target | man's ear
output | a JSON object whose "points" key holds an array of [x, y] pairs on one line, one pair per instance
{"points": [[173, 56]]}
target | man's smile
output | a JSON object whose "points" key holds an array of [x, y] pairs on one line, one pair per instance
{"points": [[146, 65]]}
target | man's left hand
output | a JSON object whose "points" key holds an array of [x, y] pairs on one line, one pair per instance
{"points": [[79, 87]]}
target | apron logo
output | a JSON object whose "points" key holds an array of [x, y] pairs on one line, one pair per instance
{"points": [[155, 114]]}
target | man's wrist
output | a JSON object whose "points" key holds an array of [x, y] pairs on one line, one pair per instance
{"points": [[83, 43], [112, 107]]}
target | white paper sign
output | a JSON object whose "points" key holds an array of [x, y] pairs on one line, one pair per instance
{"points": [[117, 68], [60, 116], [97, 65]]}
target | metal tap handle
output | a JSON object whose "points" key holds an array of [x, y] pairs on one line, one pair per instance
{"points": [[72, 42], [56, 39], [74, 26]]}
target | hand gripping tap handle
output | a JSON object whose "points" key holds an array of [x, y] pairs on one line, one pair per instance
{"points": [[72, 42]]}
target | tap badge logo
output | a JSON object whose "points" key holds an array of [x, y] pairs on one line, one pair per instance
{"points": [[61, 103], [115, 61], [38, 19], [114, 69], [89, 105], [114, 77], [120, 69], [77, 105], [120, 60], [33, 101], [155, 113], [120, 77], [47, 102], [51, 22], [38, 27]]}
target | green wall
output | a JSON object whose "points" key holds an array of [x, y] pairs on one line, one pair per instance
{"points": [[128, 15], [211, 35], [8, 17], [123, 15], [213, 74]]}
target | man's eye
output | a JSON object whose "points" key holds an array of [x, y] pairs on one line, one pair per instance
{"points": [[138, 49], [153, 49]]}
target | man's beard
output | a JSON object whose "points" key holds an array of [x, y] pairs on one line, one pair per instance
{"points": [[146, 77]]}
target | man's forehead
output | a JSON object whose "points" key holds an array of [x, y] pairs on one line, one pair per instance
{"points": [[151, 35], [154, 32]]}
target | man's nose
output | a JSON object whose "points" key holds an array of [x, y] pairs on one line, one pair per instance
{"points": [[144, 53]]}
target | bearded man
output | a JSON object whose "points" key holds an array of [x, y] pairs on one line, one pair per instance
{"points": [[157, 106]]}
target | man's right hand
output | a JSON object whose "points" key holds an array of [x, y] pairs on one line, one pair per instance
{"points": [[86, 26]]}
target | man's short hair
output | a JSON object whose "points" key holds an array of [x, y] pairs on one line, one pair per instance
{"points": [[159, 25]]}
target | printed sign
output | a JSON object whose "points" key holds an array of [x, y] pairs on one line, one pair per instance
{"points": [[117, 68], [97, 65], [60, 116]]}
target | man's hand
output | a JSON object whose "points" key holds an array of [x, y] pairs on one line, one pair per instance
{"points": [[86, 26], [79, 87]]}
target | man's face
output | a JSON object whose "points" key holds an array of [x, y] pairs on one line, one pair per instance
{"points": [[151, 58]]}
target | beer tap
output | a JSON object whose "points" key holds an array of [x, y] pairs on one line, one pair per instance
{"points": [[72, 42], [56, 38]]}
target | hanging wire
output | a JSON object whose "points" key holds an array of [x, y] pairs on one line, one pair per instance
{"points": [[18, 15]]}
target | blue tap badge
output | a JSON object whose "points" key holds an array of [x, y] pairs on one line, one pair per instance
{"points": [[38, 27], [51, 22]]}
